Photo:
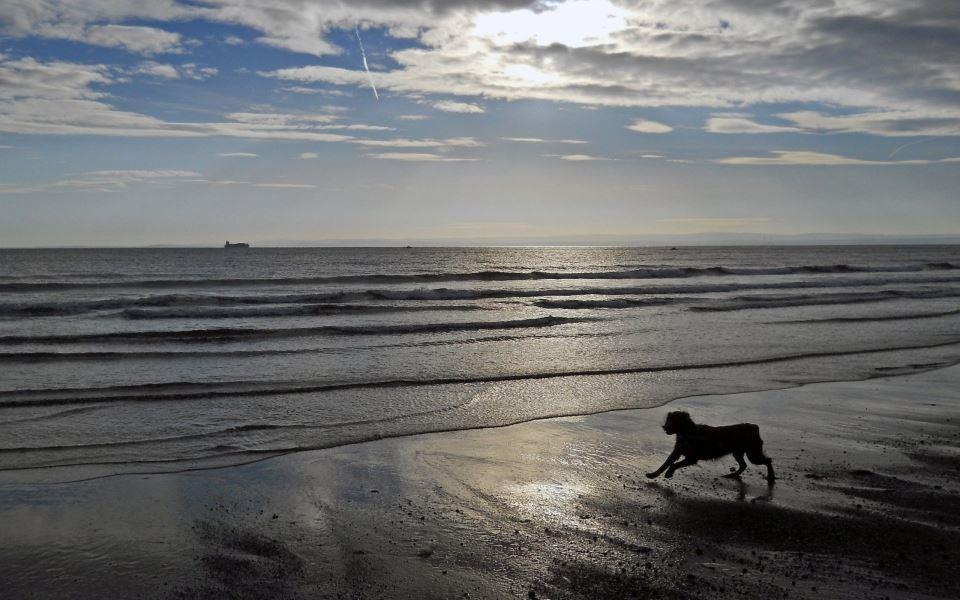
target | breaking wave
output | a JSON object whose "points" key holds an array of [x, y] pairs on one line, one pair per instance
{"points": [[228, 334], [755, 302], [179, 391], [651, 272], [345, 301], [283, 311]]}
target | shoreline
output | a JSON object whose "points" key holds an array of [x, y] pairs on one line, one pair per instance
{"points": [[558, 507], [906, 370]]}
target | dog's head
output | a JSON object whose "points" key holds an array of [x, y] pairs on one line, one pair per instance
{"points": [[677, 421]]}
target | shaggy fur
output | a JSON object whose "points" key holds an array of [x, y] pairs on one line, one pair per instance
{"points": [[703, 442]]}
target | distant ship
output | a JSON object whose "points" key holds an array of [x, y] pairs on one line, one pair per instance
{"points": [[237, 245]]}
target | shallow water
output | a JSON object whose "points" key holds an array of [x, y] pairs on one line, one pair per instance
{"points": [[138, 360]]}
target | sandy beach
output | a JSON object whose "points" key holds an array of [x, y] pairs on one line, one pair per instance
{"points": [[864, 507]]}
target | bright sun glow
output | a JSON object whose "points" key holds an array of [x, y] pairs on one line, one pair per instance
{"points": [[530, 75], [576, 23]]}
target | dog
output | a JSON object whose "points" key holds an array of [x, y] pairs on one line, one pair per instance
{"points": [[703, 442]]}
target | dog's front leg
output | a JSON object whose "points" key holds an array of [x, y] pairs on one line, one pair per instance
{"points": [[683, 463], [666, 464]]}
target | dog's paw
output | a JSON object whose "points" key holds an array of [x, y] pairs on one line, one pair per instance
{"points": [[668, 475], [651, 475], [731, 476]]}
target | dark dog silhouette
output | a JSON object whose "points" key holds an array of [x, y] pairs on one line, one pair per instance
{"points": [[703, 442]]}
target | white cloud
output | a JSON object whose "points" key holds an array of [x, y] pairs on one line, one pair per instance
{"points": [[138, 174], [644, 126], [886, 57], [61, 98], [297, 89], [806, 158], [290, 186], [141, 40], [852, 53], [460, 142], [417, 157], [155, 69], [458, 107], [577, 157], [85, 23], [413, 117], [274, 120], [885, 123], [102, 181], [730, 124], [239, 154], [358, 127], [308, 155], [530, 140], [195, 71]]}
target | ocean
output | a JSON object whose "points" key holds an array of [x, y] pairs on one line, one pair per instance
{"points": [[162, 360]]}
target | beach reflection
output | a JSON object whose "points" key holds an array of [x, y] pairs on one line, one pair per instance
{"points": [[548, 500]]}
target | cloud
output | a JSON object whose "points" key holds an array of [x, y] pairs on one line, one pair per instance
{"points": [[99, 23], [308, 155], [239, 154], [155, 69], [873, 58], [102, 181], [805, 158], [577, 157], [530, 140], [893, 56], [413, 117], [885, 123], [358, 127], [460, 142], [62, 98], [458, 107], [167, 71], [291, 186], [138, 39], [417, 157], [644, 126], [729, 124], [195, 71], [298, 89], [280, 119]]}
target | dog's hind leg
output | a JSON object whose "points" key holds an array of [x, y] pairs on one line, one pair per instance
{"points": [[757, 457], [742, 463]]}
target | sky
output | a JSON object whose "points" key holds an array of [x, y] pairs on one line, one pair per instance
{"points": [[141, 122]]}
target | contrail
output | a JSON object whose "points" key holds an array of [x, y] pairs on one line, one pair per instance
{"points": [[892, 154], [363, 54]]}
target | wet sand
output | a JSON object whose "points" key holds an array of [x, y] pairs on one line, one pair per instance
{"points": [[866, 506]]}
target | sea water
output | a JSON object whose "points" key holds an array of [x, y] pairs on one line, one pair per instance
{"points": [[149, 360]]}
